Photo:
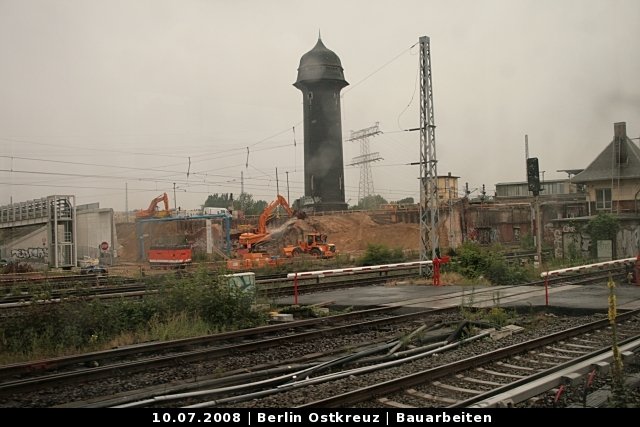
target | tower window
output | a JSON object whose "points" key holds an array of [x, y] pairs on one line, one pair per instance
{"points": [[603, 198]]}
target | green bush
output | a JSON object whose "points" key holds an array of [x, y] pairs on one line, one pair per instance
{"points": [[72, 325], [473, 261], [380, 254]]}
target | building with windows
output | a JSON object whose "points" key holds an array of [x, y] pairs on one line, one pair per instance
{"points": [[611, 184], [612, 180]]}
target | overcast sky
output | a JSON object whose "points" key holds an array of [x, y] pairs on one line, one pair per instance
{"points": [[99, 96]]}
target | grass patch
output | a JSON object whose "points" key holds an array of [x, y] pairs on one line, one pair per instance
{"points": [[494, 315], [455, 278]]}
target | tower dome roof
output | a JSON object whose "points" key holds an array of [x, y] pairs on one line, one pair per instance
{"points": [[320, 63]]}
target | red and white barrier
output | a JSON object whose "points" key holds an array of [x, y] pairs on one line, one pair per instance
{"points": [[582, 268], [351, 270]]}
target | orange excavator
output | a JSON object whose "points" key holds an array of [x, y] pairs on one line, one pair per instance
{"points": [[152, 211], [249, 241]]}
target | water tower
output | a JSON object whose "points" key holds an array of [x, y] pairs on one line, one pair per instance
{"points": [[321, 78]]}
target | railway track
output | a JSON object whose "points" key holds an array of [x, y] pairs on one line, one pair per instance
{"points": [[489, 370], [180, 354], [504, 376], [55, 289], [24, 377], [101, 286]]}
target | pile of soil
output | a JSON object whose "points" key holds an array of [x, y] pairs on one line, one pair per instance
{"points": [[351, 233]]}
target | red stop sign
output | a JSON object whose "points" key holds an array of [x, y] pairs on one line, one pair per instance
{"points": [[104, 246]]}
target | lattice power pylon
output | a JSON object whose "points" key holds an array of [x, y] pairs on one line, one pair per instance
{"points": [[429, 218], [365, 187]]}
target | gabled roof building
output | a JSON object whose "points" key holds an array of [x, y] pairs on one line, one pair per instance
{"points": [[612, 180]]}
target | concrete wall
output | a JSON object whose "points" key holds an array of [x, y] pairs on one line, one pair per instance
{"points": [[498, 223], [569, 241], [33, 247], [94, 226]]}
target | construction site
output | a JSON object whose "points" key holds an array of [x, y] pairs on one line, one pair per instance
{"points": [[277, 233], [549, 217]]}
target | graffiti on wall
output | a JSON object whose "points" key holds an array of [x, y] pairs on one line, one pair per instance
{"points": [[628, 242], [472, 234], [483, 235], [562, 238], [30, 253]]}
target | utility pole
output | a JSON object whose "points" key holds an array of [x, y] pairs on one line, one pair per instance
{"points": [[277, 183], [538, 233], [288, 197], [126, 200], [242, 191], [526, 149], [174, 199], [429, 221]]}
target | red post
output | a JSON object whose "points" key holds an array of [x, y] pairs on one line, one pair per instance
{"points": [[546, 289], [590, 379], [436, 271], [295, 289], [558, 394]]}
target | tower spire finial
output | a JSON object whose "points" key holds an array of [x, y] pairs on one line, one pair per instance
{"points": [[319, 38]]}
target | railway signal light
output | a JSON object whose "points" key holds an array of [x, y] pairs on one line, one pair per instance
{"points": [[533, 175]]}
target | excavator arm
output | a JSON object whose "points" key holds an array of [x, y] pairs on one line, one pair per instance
{"points": [[268, 211], [151, 210], [163, 198], [261, 235]]}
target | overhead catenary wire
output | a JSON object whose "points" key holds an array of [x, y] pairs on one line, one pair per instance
{"points": [[377, 70]]}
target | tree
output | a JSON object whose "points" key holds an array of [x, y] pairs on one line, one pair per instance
{"points": [[406, 201], [603, 226], [218, 200], [256, 208], [244, 201], [246, 204], [371, 202]]}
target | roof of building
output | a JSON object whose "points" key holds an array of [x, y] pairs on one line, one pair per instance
{"points": [[320, 63], [619, 159], [546, 181]]}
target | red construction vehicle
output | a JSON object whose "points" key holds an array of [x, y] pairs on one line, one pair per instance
{"points": [[152, 211], [315, 244]]}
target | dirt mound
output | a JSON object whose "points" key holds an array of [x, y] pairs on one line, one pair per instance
{"points": [[351, 233]]}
